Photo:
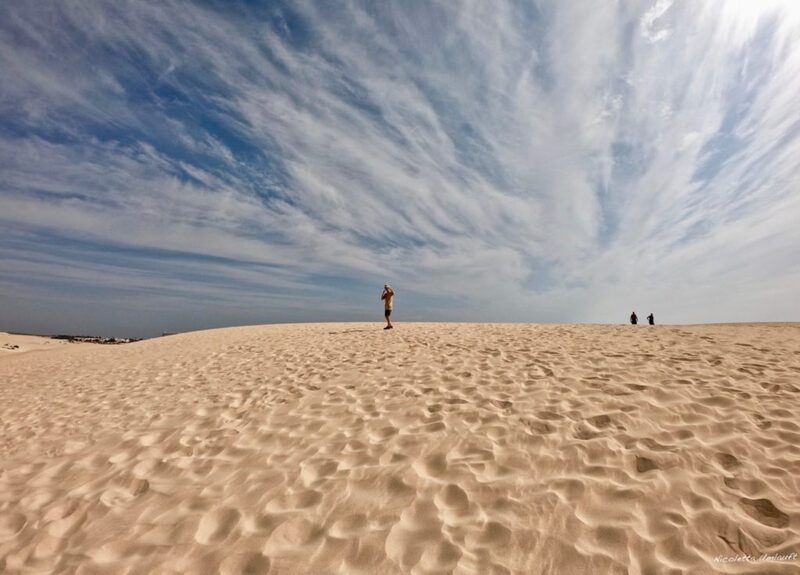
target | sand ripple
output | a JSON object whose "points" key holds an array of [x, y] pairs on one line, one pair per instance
{"points": [[430, 449]]}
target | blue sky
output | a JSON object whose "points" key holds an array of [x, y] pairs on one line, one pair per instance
{"points": [[167, 166]]}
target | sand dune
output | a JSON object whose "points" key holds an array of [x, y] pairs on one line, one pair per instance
{"points": [[432, 448], [14, 343]]}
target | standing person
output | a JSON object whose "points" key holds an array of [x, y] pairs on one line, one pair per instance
{"points": [[388, 300], [634, 319], [650, 319]]}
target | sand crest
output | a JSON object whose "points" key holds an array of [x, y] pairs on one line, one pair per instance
{"points": [[428, 449]]}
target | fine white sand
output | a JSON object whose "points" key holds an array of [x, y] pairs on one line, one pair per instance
{"points": [[431, 448]]}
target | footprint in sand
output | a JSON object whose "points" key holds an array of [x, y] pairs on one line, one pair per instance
{"points": [[538, 427], [727, 461], [549, 415], [502, 404], [314, 470], [294, 537], [244, 564], [599, 421], [584, 434], [454, 505], [349, 527], [123, 496], [419, 528], [10, 525], [455, 401], [302, 499], [150, 468], [216, 525], [440, 558], [654, 445], [765, 512], [494, 534], [260, 523], [636, 386], [431, 467], [644, 464], [382, 434], [569, 491]]}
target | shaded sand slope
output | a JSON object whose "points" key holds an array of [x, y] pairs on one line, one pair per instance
{"points": [[432, 448]]}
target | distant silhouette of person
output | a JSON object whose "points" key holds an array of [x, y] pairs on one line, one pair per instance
{"points": [[634, 319], [650, 319], [388, 301]]}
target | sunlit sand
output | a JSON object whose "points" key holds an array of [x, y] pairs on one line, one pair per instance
{"points": [[431, 448]]}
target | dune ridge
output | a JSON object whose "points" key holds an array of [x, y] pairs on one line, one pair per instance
{"points": [[431, 448]]}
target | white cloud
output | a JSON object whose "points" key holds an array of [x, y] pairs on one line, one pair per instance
{"points": [[527, 158]]}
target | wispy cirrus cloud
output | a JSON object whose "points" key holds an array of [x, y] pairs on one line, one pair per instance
{"points": [[525, 161]]}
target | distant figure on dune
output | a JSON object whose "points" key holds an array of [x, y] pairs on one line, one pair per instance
{"points": [[650, 319], [634, 319], [388, 299]]}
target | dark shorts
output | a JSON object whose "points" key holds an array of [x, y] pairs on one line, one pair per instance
{"points": [[387, 312]]}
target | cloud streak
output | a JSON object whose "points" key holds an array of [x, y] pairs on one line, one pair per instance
{"points": [[519, 161]]}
